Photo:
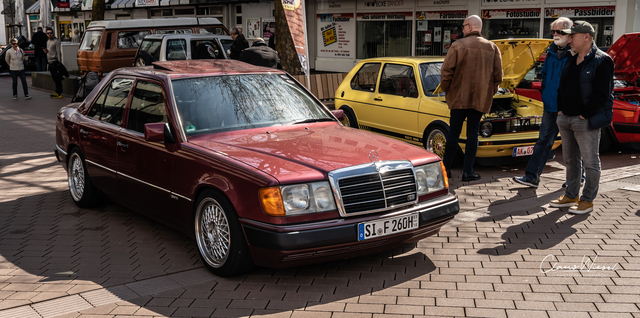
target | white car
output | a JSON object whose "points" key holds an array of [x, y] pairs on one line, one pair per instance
{"points": [[171, 47]]}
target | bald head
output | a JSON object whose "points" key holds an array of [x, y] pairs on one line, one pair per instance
{"points": [[474, 22]]}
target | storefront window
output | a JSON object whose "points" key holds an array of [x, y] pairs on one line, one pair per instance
{"points": [[434, 37], [383, 38], [511, 28]]}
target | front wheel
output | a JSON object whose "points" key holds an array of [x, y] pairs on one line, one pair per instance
{"points": [[82, 191], [349, 119], [436, 140], [219, 237]]}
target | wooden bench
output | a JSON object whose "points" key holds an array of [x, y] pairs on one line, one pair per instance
{"points": [[323, 86]]}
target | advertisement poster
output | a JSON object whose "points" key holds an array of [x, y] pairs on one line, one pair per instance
{"points": [[446, 41], [268, 28], [437, 34], [63, 3], [422, 26], [252, 29], [427, 37], [336, 33]]}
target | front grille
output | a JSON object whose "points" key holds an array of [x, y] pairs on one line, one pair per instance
{"points": [[374, 187], [518, 124]]}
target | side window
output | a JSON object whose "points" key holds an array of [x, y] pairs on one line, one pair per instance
{"points": [[176, 49], [175, 31], [430, 76], [205, 50], [152, 47], [147, 106], [398, 80], [109, 106], [365, 79], [131, 39]]}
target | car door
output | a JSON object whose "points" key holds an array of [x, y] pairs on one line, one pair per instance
{"points": [[99, 130], [396, 103], [144, 168], [360, 97]]}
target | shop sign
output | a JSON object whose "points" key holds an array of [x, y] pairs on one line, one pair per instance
{"points": [[433, 3], [580, 12], [384, 16], [86, 5], [489, 2], [63, 3], [291, 5], [385, 4], [442, 15], [511, 14], [335, 6], [145, 3], [337, 34]]}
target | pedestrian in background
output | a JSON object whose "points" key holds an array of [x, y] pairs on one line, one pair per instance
{"points": [[39, 40], [584, 96], [470, 76], [557, 55], [75, 38], [260, 54], [239, 43], [54, 59], [15, 58]]}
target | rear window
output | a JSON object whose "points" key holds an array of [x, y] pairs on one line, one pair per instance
{"points": [[91, 41], [176, 49], [152, 47], [213, 30], [131, 39]]}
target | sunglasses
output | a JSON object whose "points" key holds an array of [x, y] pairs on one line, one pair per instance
{"points": [[49, 32], [14, 43], [558, 31]]}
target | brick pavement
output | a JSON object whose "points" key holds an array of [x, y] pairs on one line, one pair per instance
{"points": [[57, 260]]}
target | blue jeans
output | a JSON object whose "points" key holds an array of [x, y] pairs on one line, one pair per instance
{"points": [[41, 64], [23, 79], [580, 148], [473, 124], [542, 148]]}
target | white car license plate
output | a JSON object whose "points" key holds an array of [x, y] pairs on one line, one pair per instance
{"points": [[373, 229], [523, 151]]}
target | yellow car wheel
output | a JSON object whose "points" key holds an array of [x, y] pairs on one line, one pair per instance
{"points": [[436, 140], [349, 119]]}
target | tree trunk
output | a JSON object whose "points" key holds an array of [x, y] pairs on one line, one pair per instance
{"points": [[97, 10], [284, 43]]}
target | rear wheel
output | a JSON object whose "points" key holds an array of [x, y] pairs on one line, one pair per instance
{"points": [[82, 191], [349, 119], [219, 237], [436, 140]]}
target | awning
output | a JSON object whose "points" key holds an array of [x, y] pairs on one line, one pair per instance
{"points": [[74, 6], [122, 4], [34, 9]]}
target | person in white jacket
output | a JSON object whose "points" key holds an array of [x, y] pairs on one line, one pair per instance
{"points": [[15, 58]]}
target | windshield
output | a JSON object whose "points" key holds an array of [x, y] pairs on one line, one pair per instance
{"points": [[91, 41], [430, 76], [235, 102]]}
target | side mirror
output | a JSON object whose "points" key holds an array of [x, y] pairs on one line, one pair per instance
{"points": [[338, 113], [158, 132], [536, 85]]}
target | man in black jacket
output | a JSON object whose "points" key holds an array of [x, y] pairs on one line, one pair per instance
{"points": [[239, 43], [260, 54], [39, 40]]}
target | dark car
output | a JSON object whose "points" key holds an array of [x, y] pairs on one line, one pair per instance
{"points": [[250, 164], [625, 127]]}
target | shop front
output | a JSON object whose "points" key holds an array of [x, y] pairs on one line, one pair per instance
{"points": [[383, 34], [601, 17], [437, 30], [511, 23]]}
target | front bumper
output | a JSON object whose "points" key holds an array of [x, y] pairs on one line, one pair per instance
{"points": [[292, 245]]}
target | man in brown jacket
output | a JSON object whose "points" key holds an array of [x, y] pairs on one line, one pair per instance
{"points": [[470, 75]]}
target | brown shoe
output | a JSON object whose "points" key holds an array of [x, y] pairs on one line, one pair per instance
{"points": [[582, 207], [563, 202]]}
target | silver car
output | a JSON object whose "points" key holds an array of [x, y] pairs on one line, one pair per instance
{"points": [[171, 47]]}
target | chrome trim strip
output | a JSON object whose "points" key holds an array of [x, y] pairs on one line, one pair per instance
{"points": [[138, 180], [60, 149]]}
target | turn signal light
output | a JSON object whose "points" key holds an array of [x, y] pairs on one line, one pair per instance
{"points": [[271, 201], [444, 173]]}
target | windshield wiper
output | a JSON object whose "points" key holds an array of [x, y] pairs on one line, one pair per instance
{"points": [[312, 120]]}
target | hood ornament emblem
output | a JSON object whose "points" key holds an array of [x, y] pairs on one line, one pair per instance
{"points": [[373, 156]]}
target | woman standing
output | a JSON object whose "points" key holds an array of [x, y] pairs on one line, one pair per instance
{"points": [[15, 58]]}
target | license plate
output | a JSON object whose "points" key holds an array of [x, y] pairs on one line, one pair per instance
{"points": [[523, 151], [378, 228]]}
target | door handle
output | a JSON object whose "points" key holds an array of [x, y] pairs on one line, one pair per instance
{"points": [[84, 132], [122, 145], [378, 99]]}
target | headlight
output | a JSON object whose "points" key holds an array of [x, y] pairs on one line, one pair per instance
{"points": [[429, 178], [297, 199], [486, 129]]}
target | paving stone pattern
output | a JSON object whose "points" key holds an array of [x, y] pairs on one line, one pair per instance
{"points": [[507, 254]]}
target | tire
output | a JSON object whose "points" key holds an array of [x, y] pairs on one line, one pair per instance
{"points": [[143, 59], [436, 139], [349, 119], [220, 240], [82, 191]]}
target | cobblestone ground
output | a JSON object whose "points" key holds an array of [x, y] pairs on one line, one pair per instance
{"points": [[507, 254]]}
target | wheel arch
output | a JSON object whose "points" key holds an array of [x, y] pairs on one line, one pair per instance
{"points": [[432, 124]]}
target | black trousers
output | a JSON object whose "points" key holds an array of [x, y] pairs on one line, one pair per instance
{"points": [[55, 75]]}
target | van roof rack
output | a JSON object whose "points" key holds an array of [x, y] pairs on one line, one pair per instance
{"points": [[141, 23]]}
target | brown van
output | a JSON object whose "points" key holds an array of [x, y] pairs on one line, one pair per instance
{"points": [[111, 44]]}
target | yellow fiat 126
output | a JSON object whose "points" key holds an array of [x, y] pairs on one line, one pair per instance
{"points": [[400, 97]]}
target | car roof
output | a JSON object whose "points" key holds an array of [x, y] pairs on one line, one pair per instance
{"points": [[154, 23], [186, 36], [405, 59], [196, 68]]}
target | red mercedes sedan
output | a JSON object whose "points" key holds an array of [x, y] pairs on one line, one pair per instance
{"points": [[251, 165]]}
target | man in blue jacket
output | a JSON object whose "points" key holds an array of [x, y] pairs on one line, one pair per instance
{"points": [[557, 55]]}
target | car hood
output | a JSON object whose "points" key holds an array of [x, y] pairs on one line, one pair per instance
{"points": [[518, 57], [626, 57], [302, 153]]}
